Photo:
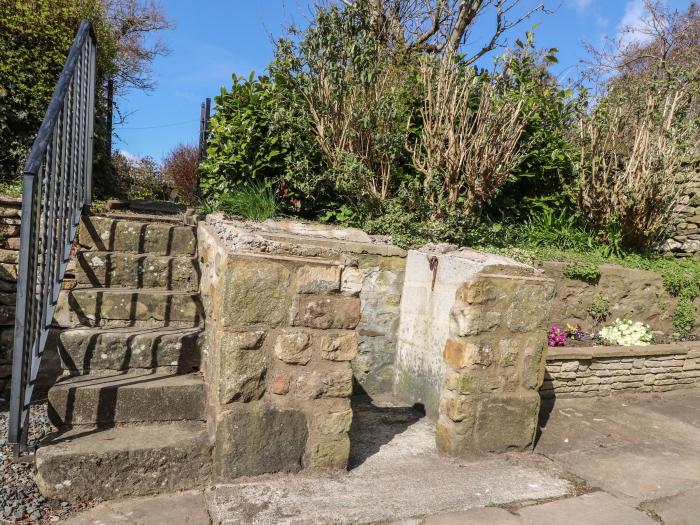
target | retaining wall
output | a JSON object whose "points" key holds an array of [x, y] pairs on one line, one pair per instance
{"points": [[10, 211], [604, 371]]}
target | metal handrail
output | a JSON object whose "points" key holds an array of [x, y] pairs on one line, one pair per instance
{"points": [[57, 186]]}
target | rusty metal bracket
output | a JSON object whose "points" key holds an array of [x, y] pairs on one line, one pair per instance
{"points": [[433, 262]]}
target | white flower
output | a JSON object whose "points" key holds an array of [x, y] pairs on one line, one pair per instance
{"points": [[627, 333]]}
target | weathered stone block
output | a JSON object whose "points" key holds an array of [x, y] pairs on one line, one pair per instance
{"points": [[342, 347], [328, 312], [293, 348], [506, 421], [255, 291], [466, 354], [459, 408], [256, 440], [335, 381], [466, 320], [243, 366], [318, 279], [329, 454], [351, 281], [337, 422]]}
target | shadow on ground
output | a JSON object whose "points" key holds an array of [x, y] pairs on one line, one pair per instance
{"points": [[375, 423]]}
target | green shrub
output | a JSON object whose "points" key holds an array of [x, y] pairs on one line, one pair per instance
{"points": [[255, 202], [242, 147], [599, 309], [549, 227], [684, 317], [586, 272]]}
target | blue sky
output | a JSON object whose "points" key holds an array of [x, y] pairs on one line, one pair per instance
{"points": [[214, 38]]}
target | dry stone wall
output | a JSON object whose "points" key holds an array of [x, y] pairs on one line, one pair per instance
{"points": [[607, 371], [685, 241], [10, 211], [280, 332]]}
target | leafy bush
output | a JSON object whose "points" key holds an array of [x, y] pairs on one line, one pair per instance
{"points": [[179, 170], [242, 149], [254, 202], [138, 178], [684, 317], [599, 309]]}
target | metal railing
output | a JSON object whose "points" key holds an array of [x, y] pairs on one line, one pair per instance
{"points": [[57, 186]]}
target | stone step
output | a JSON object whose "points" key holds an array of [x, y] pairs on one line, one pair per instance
{"points": [[130, 460], [84, 350], [114, 399], [128, 307], [130, 270], [111, 234]]}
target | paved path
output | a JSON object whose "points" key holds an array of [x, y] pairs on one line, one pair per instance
{"points": [[633, 461]]}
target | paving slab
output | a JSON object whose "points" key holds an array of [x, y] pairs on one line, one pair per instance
{"points": [[636, 448], [589, 509], [682, 509], [181, 508], [398, 474]]}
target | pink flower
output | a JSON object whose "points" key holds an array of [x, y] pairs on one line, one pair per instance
{"points": [[556, 336]]}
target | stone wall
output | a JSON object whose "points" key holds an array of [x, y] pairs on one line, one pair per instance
{"points": [[635, 294], [378, 275], [685, 241], [472, 335], [280, 335], [494, 362], [602, 371], [10, 211]]}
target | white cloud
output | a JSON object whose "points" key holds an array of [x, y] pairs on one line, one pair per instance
{"points": [[580, 5], [129, 156], [631, 29]]}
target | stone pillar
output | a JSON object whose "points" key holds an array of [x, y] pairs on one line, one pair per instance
{"points": [[280, 338], [494, 361], [10, 211]]}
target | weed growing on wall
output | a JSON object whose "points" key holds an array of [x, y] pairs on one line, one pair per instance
{"points": [[586, 272], [599, 309]]}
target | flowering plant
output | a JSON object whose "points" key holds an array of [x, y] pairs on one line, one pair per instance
{"points": [[627, 333], [556, 336], [575, 332]]}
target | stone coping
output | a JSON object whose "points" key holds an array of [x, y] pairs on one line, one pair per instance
{"points": [[587, 353]]}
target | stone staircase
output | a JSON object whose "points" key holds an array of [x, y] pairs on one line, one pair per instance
{"points": [[130, 409]]}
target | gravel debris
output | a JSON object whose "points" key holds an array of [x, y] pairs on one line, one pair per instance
{"points": [[20, 500]]}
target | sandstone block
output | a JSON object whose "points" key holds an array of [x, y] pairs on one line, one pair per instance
{"points": [[342, 347], [458, 408], [242, 368], [465, 354], [254, 440], [329, 454], [318, 279], [506, 421], [337, 422], [325, 383], [351, 281], [466, 320], [329, 312], [255, 291], [293, 348]]}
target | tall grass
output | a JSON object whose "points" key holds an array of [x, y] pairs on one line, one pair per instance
{"points": [[255, 203]]}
